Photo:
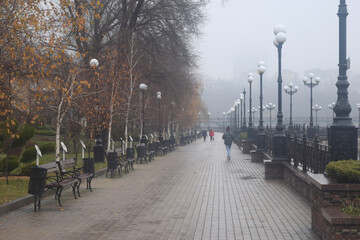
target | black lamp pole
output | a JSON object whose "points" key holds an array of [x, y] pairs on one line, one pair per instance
{"points": [[143, 88], [98, 148], [291, 90], [160, 128], [172, 137], [241, 112], [343, 134], [244, 121], [280, 148], [311, 84], [261, 141], [250, 101]]}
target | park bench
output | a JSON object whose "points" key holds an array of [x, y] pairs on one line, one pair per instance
{"points": [[48, 177], [143, 154], [162, 148], [170, 144], [122, 161], [118, 161], [125, 161], [68, 169], [157, 148]]}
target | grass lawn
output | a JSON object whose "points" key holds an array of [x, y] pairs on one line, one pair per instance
{"points": [[18, 185], [17, 188]]}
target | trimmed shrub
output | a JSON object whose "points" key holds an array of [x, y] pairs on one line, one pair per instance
{"points": [[346, 171], [25, 170], [243, 135], [26, 133], [28, 155], [47, 148], [12, 163], [45, 132]]}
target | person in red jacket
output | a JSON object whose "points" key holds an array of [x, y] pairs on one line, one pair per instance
{"points": [[211, 134]]}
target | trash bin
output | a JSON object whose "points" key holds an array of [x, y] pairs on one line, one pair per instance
{"points": [[37, 181], [130, 153], [88, 165], [111, 162], [99, 153]]}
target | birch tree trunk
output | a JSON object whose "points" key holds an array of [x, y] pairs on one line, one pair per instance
{"points": [[61, 112], [132, 64]]}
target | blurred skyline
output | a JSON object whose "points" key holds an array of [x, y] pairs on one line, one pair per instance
{"points": [[239, 34]]}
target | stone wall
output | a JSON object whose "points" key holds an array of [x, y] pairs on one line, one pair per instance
{"points": [[274, 169], [298, 180], [327, 219]]}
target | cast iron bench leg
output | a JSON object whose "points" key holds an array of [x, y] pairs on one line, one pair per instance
{"points": [[78, 187]]}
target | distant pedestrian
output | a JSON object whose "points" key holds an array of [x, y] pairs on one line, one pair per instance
{"points": [[211, 134], [204, 134], [228, 139]]}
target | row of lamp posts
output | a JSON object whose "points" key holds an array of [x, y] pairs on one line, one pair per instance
{"points": [[342, 133]]}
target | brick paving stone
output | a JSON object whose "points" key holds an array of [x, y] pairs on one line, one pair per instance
{"points": [[192, 193]]}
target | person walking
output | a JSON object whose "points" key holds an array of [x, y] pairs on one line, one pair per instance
{"points": [[228, 139], [211, 134], [204, 134]]}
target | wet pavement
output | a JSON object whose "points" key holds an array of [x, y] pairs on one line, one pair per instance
{"points": [[191, 193]]}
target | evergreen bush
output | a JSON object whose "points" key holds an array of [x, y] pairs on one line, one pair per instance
{"points": [[45, 132], [346, 171], [47, 148], [26, 133], [26, 169], [13, 163], [28, 155]]}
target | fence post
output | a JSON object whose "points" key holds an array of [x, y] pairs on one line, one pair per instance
{"points": [[290, 145], [316, 159], [304, 153], [295, 149]]}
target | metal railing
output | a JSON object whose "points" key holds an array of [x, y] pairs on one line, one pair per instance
{"points": [[308, 155]]}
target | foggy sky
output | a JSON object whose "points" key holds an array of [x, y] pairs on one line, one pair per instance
{"points": [[240, 33]]}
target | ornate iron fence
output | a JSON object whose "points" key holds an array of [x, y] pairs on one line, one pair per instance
{"points": [[308, 155]]}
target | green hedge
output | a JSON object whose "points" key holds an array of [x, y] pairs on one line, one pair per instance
{"points": [[28, 155], [13, 163], [243, 135], [47, 148], [26, 169], [45, 132], [346, 171], [26, 133]]}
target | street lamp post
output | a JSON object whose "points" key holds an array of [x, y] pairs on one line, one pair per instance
{"points": [[224, 117], [253, 111], [311, 84], [331, 107], [158, 96], [346, 146], [280, 148], [143, 87], [261, 141], [316, 108], [358, 107], [238, 114], [209, 114], [270, 107], [244, 110], [172, 137], [98, 148], [241, 112], [251, 130], [291, 90]]}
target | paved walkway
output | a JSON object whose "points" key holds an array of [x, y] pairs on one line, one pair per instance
{"points": [[192, 193]]}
